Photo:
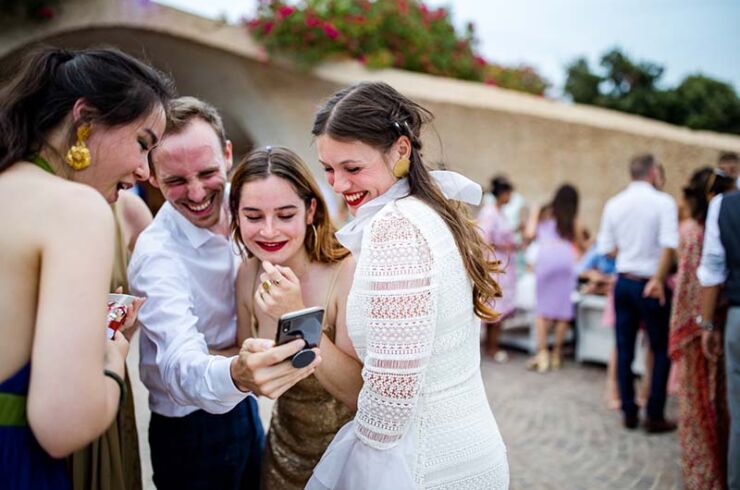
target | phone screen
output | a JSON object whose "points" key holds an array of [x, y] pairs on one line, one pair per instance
{"points": [[303, 324]]}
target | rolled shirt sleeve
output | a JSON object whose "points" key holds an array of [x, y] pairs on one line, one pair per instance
{"points": [[668, 232], [712, 269]]}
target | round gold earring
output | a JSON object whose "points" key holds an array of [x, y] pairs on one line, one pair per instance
{"points": [[401, 167], [78, 157]]}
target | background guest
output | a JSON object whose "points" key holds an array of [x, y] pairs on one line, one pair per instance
{"points": [[702, 421], [560, 242], [640, 224], [500, 235]]}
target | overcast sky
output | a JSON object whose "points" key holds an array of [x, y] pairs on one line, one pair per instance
{"points": [[685, 36]]}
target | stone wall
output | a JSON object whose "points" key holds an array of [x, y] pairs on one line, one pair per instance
{"points": [[479, 130]]}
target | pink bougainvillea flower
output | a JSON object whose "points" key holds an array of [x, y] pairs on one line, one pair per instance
{"points": [[312, 20], [285, 11], [331, 31], [267, 26]]}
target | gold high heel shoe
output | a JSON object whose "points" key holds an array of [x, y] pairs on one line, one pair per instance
{"points": [[540, 362]]}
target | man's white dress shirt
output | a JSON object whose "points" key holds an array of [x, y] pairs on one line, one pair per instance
{"points": [[639, 222], [713, 266], [187, 275]]}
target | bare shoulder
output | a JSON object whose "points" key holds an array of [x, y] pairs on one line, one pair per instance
{"points": [[346, 271], [53, 202]]}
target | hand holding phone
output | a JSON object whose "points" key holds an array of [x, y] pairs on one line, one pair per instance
{"points": [[302, 324]]}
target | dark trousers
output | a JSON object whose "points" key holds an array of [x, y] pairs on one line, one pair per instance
{"points": [[632, 309], [205, 451]]}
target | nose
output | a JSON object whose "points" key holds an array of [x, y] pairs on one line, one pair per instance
{"points": [[142, 171], [196, 191], [268, 230], [340, 184]]}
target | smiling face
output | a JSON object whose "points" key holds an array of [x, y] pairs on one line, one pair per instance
{"points": [[273, 219], [358, 171], [191, 171], [119, 154]]}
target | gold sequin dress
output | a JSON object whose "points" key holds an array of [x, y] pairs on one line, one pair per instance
{"points": [[304, 421]]}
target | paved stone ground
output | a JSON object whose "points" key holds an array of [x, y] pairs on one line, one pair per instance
{"points": [[558, 431], [560, 435]]}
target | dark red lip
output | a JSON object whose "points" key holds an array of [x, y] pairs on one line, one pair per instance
{"points": [[271, 247], [356, 202]]}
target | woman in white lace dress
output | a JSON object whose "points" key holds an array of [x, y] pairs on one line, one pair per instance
{"points": [[413, 314]]}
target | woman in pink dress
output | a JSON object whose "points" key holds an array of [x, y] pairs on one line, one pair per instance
{"points": [[497, 231]]}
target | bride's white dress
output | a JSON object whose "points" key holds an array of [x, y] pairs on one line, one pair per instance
{"points": [[423, 419]]}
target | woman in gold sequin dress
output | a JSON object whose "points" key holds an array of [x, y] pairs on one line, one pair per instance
{"points": [[279, 217]]}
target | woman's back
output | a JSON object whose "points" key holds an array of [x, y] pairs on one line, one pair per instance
{"points": [[54, 237]]}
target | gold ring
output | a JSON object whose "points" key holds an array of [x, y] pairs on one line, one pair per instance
{"points": [[266, 286]]}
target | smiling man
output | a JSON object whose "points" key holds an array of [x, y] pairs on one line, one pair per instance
{"points": [[204, 432]]}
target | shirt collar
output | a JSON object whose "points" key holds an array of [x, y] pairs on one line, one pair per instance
{"points": [[196, 235], [636, 184], [453, 186]]}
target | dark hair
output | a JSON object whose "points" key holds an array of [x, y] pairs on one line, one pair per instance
{"points": [[118, 88], [696, 193], [378, 115], [500, 184], [728, 156], [564, 209], [321, 244], [641, 165]]}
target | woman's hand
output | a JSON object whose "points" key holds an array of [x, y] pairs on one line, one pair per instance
{"points": [[129, 327], [116, 350], [279, 292]]}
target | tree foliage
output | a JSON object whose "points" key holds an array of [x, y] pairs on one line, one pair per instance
{"points": [[698, 102]]}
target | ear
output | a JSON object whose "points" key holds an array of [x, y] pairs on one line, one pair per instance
{"points": [[82, 111], [153, 180], [311, 211], [402, 147], [228, 156]]}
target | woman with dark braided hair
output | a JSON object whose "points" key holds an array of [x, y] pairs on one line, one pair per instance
{"points": [[421, 286], [75, 130]]}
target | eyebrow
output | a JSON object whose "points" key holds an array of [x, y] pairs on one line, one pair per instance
{"points": [[343, 162], [281, 208]]}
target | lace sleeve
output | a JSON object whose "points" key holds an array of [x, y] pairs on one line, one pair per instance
{"points": [[400, 311]]}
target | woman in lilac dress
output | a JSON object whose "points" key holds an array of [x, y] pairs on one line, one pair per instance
{"points": [[497, 232], [558, 240]]}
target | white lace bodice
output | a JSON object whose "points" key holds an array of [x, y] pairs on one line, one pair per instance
{"points": [[411, 320]]}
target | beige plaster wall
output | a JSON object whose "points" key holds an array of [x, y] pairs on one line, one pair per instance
{"points": [[483, 130]]}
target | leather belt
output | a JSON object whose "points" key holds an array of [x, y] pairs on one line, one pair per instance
{"points": [[633, 277]]}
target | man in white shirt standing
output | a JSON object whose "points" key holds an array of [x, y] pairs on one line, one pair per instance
{"points": [[640, 225], [205, 431]]}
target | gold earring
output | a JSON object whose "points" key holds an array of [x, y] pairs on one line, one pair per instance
{"points": [[78, 156], [402, 167]]}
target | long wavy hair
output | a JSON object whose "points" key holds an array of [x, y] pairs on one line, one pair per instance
{"points": [[319, 242], [377, 115]]}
